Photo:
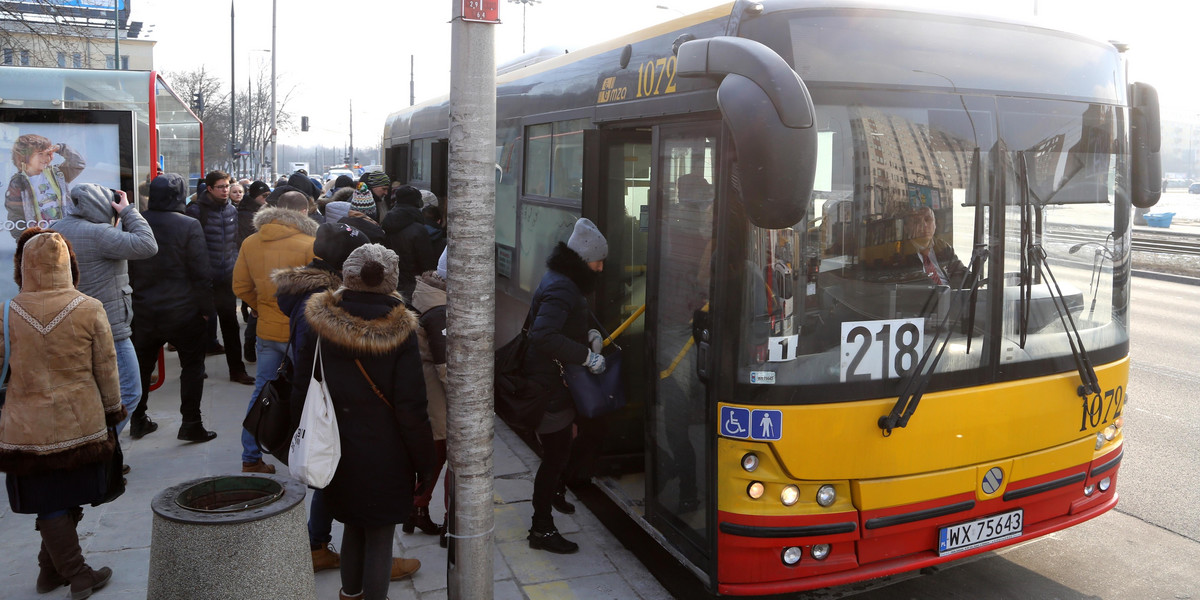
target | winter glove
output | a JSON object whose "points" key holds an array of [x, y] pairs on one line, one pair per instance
{"points": [[594, 362], [595, 341]]}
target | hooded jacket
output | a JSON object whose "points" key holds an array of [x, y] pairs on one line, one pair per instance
{"points": [[284, 239], [560, 324], [104, 250], [382, 448], [219, 219], [338, 206], [64, 392], [429, 298], [404, 234], [175, 285], [245, 214], [293, 287]]}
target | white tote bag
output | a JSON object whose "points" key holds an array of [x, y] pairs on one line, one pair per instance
{"points": [[317, 446]]}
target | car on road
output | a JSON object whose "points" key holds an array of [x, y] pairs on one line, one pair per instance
{"points": [[1194, 188]]}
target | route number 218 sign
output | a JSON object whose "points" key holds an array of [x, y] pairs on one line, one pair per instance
{"points": [[886, 349]]}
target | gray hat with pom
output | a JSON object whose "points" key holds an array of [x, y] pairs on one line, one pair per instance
{"points": [[371, 268], [588, 242]]}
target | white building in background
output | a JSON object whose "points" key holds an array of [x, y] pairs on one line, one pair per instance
{"points": [[59, 33]]}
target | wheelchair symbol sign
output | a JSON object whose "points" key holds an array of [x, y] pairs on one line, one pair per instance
{"points": [[735, 422], [742, 423]]}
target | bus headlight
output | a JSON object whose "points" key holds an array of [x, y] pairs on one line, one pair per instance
{"points": [[1109, 433], [750, 462], [1105, 484], [820, 551], [826, 495], [790, 495], [791, 555], [755, 490]]}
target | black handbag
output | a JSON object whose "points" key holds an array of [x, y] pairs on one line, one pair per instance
{"points": [[515, 400], [596, 395], [114, 476], [269, 419]]}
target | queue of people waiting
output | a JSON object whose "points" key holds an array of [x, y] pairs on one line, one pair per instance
{"points": [[313, 266]]}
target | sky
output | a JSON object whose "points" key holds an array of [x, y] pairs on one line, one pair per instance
{"points": [[330, 55]]}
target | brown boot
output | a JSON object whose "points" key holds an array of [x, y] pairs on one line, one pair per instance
{"points": [[48, 578], [344, 596], [403, 567], [325, 558], [62, 543], [258, 466]]}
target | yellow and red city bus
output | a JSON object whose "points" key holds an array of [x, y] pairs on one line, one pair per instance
{"points": [[884, 261]]}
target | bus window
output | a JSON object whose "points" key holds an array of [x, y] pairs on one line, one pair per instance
{"points": [[507, 139], [542, 227], [554, 159]]}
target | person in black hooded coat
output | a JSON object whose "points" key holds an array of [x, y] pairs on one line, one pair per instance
{"points": [[405, 234], [368, 347], [559, 334], [172, 294]]}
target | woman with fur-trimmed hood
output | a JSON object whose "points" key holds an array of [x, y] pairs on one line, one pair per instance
{"points": [[368, 347], [62, 400]]}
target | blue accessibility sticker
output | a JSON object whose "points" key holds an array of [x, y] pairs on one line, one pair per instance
{"points": [[735, 422], [766, 425]]}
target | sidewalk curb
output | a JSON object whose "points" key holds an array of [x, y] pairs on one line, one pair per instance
{"points": [[1184, 279]]}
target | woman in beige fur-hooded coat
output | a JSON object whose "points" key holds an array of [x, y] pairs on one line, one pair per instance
{"points": [[64, 393]]}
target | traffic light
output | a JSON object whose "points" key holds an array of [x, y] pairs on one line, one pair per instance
{"points": [[198, 102], [303, 123]]}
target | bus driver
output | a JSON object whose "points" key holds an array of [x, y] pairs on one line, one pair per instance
{"points": [[925, 252]]}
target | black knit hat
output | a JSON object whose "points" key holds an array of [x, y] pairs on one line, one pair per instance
{"points": [[257, 189], [335, 241], [343, 181], [406, 195]]}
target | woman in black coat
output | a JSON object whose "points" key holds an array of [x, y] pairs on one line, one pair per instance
{"points": [[559, 334], [369, 355]]}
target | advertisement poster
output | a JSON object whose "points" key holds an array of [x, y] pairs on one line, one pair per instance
{"points": [[49, 152]]}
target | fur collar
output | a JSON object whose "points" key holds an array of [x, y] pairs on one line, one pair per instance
{"points": [[286, 217], [569, 263], [301, 280], [367, 336]]}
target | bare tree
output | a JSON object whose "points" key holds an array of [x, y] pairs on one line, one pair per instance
{"points": [[253, 115]]}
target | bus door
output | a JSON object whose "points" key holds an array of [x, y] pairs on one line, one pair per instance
{"points": [[618, 180], [678, 456]]}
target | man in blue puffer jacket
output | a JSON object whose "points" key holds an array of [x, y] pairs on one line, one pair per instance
{"points": [[219, 220]]}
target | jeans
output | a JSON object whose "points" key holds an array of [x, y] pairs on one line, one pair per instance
{"points": [[556, 451], [270, 356], [131, 378], [226, 305], [149, 335], [367, 560], [320, 521]]}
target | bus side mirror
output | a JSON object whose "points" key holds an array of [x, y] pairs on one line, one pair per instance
{"points": [[1145, 140], [768, 111]]}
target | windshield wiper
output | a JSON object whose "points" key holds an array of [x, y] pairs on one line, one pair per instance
{"points": [[1032, 254], [917, 381]]}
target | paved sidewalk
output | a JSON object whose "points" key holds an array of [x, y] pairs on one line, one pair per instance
{"points": [[117, 535]]}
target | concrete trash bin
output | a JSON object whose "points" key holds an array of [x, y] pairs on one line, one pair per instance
{"points": [[235, 536]]}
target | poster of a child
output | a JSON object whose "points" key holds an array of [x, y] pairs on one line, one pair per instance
{"points": [[38, 190]]}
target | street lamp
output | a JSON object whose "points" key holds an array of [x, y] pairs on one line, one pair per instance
{"points": [[524, 4], [961, 100]]}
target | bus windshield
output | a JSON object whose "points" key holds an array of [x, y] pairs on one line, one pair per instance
{"points": [[910, 185]]}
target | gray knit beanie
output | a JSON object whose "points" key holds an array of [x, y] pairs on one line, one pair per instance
{"points": [[371, 268], [588, 242]]}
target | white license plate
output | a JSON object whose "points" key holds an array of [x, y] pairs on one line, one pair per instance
{"points": [[980, 532]]}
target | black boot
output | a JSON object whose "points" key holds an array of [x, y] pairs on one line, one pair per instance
{"points": [[194, 431], [420, 518], [562, 505], [62, 544], [551, 541], [140, 425]]}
